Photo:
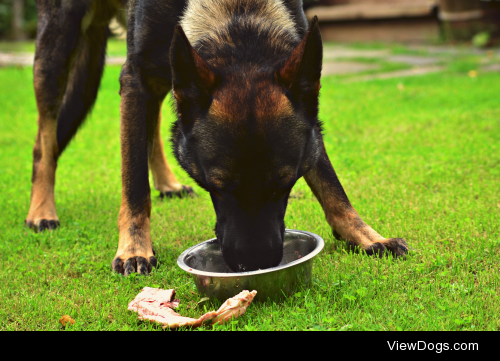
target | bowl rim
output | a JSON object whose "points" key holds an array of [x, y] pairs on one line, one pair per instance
{"points": [[320, 243]]}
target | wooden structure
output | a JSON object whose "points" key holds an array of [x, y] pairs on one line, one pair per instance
{"points": [[462, 19], [403, 20]]}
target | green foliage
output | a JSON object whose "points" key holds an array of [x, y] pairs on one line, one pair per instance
{"points": [[30, 17], [5, 16], [423, 163], [482, 39]]}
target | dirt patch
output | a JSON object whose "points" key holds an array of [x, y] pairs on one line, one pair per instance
{"points": [[341, 67]]}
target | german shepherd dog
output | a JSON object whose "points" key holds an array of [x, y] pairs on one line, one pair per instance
{"points": [[245, 80]]}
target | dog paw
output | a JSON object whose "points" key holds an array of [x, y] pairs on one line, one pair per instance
{"points": [[185, 191], [134, 264], [396, 246], [43, 224]]}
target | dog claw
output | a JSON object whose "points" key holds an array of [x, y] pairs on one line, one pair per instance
{"points": [[186, 191], [395, 246], [43, 225], [130, 266], [53, 224], [134, 264], [117, 265], [376, 249], [143, 266], [398, 247], [153, 261]]}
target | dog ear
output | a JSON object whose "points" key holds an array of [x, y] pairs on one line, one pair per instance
{"points": [[192, 79], [301, 72]]}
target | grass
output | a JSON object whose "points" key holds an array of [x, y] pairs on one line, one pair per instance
{"points": [[27, 46], [116, 47], [421, 163]]}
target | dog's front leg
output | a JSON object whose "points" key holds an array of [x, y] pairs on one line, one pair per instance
{"points": [[139, 111], [164, 179], [341, 215]]}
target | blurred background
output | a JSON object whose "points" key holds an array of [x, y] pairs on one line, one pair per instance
{"points": [[363, 39], [427, 21], [18, 20], [422, 21]]}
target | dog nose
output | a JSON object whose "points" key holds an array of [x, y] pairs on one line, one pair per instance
{"points": [[251, 253]]}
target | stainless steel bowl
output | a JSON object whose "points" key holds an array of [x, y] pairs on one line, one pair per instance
{"points": [[214, 278]]}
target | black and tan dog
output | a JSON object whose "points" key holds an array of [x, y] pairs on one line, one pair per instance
{"points": [[245, 75]]}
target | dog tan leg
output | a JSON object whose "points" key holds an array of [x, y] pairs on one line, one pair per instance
{"points": [[42, 213], [341, 215], [139, 110], [135, 251], [58, 39], [164, 179]]}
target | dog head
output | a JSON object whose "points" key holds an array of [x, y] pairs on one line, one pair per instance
{"points": [[246, 137]]}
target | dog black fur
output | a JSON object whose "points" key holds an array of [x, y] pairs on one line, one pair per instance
{"points": [[245, 77]]}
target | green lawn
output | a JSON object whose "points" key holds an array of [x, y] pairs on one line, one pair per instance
{"points": [[421, 163], [27, 46], [116, 47]]}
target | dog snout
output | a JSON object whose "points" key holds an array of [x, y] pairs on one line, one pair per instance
{"points": [[249, 252]]}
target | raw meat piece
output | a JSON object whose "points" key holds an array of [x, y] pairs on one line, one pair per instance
{"points": [[156, 305], [156, 297]]}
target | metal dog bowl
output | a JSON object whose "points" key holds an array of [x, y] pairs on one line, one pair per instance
{"points": [[214, 278]]}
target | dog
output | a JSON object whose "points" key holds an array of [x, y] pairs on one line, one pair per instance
{"points": [[245, 79]]}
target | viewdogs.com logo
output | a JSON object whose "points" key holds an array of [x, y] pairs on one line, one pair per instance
{"points": [[430, 346]]}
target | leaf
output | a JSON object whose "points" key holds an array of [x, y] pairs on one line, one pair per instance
{"points": [[345, 327], [64, 320], [204, 299]]}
